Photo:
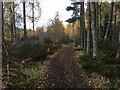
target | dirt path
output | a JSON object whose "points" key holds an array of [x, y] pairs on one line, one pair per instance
{"points": [[63, 71]]}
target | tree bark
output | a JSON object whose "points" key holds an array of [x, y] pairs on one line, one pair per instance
{"points": [[93, 26], [11, 23], [97, 19], [114, 28], [110, 22], [118, 27], [89, 26], [82, 24], [33, 15], [2, 22], [24, 21], [14, 26], [100, 20], [1, 29]]}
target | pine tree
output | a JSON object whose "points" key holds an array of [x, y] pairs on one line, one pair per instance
{"points": [[89, 26]]}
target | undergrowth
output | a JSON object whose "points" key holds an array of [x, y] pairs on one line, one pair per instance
{"points": [[29, 76], [104, 64]]}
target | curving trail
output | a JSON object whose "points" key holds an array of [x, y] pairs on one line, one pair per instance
{"points": [[63, 71]]}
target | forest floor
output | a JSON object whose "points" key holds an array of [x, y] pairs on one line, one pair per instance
{"points": [[64, 71]]}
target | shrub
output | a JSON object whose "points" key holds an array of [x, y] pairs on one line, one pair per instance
{"points": [[85, 57], [50, 48], [31, 48], [108, 47], [47, 40], [111, 71], [65, 39], [34, 38]]}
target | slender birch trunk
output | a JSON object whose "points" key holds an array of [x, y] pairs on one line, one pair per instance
{"points": [[114, 28], [118, 27], [93, 26]]}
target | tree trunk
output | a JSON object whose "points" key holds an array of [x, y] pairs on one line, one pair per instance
{"points": [[11, 24], [1, 29], [2, 22], [89, 26], [82, 24], [24, 21], [33, 14], [14, 26], [114, 28], [93, 26], [100, 20], [97, 19], [110, 22], [118, 27]]}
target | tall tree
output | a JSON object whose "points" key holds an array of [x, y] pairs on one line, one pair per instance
{"points": [[97, 19], [35, 8], [110, 22], [114, 28], [11, 22], [33, 14], [1, 28], [82, 24], [93, 26], [75, 15], [24, 21], [2, 22], [89, 26], [118, 27], [14, 25]]}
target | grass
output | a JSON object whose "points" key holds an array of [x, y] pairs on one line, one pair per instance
{"points": [[29, 76]]}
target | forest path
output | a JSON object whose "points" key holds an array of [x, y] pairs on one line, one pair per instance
{"points": [[63, 71]]}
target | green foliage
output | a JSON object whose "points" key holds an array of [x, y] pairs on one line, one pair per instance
{"points": [[28, 77], [85, 57], [34, 38], [92, 65], [31, 48], [65, 39], [111, 71], [108, 47], [75, 9], [105, 63], [47, 40], [50, 47]]}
